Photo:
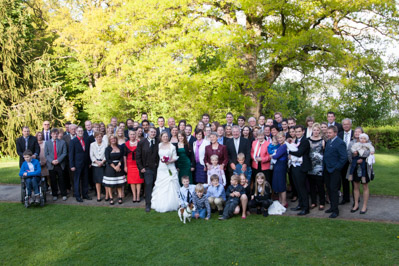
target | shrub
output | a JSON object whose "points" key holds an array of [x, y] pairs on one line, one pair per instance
{"points": [[384, 138]]}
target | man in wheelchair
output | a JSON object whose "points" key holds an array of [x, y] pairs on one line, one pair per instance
{"points": [[30, 174]]}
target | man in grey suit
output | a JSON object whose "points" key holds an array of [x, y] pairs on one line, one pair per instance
{"points": [[55, 151]]}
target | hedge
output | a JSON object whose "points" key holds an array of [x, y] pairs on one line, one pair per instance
{"points": [[385, 138]]}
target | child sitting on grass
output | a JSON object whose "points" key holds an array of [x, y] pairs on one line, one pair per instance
{"points": [[360, 148], [216, 195], [186, 192], [261, 197], [238, 171], [201, 203], [30, 171], [233, 193]]}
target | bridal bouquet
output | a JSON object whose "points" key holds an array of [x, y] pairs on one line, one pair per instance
{"points": [[166, 159]]}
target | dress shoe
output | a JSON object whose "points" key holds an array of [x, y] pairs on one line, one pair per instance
{"points": [[354, 210], [297, 208], [343, 202], [64, 198], [333, 215], [147, 209], [79, 199], [265, 213], [363, 212], [87, 197], [329, 211], [55, 198], [303, 212]]}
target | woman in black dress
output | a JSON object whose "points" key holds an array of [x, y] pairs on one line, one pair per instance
{"points": [[114, 175]]}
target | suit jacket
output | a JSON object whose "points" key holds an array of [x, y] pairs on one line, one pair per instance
{"points": [[338, 125], [303, 151], [341, 135], [335, 155], [159, 133], [232, 124], [244, 147], [44, 135], [78, 157], [191, 141], [264, 154], [33, 146], [147, 157], [221, 152], [224, 140], [86, 134], [61, 153]]}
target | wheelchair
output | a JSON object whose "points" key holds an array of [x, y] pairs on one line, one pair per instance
{"points": [[42, 192]]}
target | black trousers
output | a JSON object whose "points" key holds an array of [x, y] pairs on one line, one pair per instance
{"points": [[299, 178], [80, 182], [231, 205], [333, 183], [149, 179], [345, 183], [316, 184], [55, 182], [259, 203], [293, 188]]}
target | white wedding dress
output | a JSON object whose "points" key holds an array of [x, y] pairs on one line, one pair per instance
{"points": [[165, 195]]}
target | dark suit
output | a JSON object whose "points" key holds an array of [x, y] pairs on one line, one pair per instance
{"points": [[86, 134], [334, 159], [56, 170], [147, 158], [191, 141], [232, 124], [299, 173], [68, 174], [338, 125], [244, 147], [33, 146], [79, 159], [345, 182], [167, 131], [45, 135]]}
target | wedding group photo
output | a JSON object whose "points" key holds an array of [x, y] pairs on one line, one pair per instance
{"points": [[199, 132]]}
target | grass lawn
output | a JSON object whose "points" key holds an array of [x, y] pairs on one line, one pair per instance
{"points": [[65, 235], [385, 182]]}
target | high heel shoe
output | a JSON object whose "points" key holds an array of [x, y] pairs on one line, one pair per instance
{"points": [[355, 210], [111, 201], [120, 201], [363, 212]]}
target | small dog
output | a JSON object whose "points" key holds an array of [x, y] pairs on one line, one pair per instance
{"points": [[185, 213]]}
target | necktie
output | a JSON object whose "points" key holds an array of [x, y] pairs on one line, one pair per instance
{"points": [[47, 137], [346, 138], [26, 143], [188, 195], [55, 150], [82, 143], [236, 144], [152, 145]]}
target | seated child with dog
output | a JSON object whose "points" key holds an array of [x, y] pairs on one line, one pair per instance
{"points": [[201, 203], [233, 193], [186, 192], [216, 195], [31, 171]]}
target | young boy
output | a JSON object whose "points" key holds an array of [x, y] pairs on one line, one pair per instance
{"points": [[271, 149], [216, 195], [233, 192], [186, 192], [215, 170], [31, 170], [239, 171], [201, 203]]}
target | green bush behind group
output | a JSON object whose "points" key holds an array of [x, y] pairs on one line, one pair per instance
{"points": [[76, 60]]}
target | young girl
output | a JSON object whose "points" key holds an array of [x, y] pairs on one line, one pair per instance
{"points": [[360, 147], [245, 197], [271, 149], [261, 196], [215, 170]]}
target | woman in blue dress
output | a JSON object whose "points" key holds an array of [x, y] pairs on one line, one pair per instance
{"points": [[280, 170]]}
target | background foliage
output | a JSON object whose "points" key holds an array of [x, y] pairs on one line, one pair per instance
{"points": [[83, 59]]}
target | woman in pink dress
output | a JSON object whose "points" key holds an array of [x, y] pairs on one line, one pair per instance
{"points": [[133, 175]]}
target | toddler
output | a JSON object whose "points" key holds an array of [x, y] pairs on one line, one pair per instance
{"points": [[360, 147], [201, 203], [239, 171], [215, 170], [292, 159], [271, 149]]}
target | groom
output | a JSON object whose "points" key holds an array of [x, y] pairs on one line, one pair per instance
{"points": [[147, 161]]}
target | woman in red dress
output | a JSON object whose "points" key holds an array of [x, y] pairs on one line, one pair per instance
{"points": [[133, 175]]}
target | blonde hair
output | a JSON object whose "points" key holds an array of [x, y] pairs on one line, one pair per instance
{"points": [[242, 175], [199, 188], [264, 185], [236, 178], [214, 177], [280, 134], [316, 125], [241, 156], [215, 156]]}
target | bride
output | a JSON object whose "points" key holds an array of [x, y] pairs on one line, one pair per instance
{"points": [[165, 194]]}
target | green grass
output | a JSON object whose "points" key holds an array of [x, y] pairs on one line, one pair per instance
{"points": [[65, 235], [385, 183]]}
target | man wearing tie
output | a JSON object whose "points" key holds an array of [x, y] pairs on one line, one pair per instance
{"points": [[235, 146], [334, 159], [162, 128], [79, 162], [55, 151], [46, 131], [346, 135], [205, 120], [147, 159], [266, 129], [331, 121], [300, 170], [190, 138], [261, 121], [229, 120], [221, 138], [27, 142]]}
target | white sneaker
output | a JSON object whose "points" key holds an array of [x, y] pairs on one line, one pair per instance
{"points": [[64, 198], [37, 198]]}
